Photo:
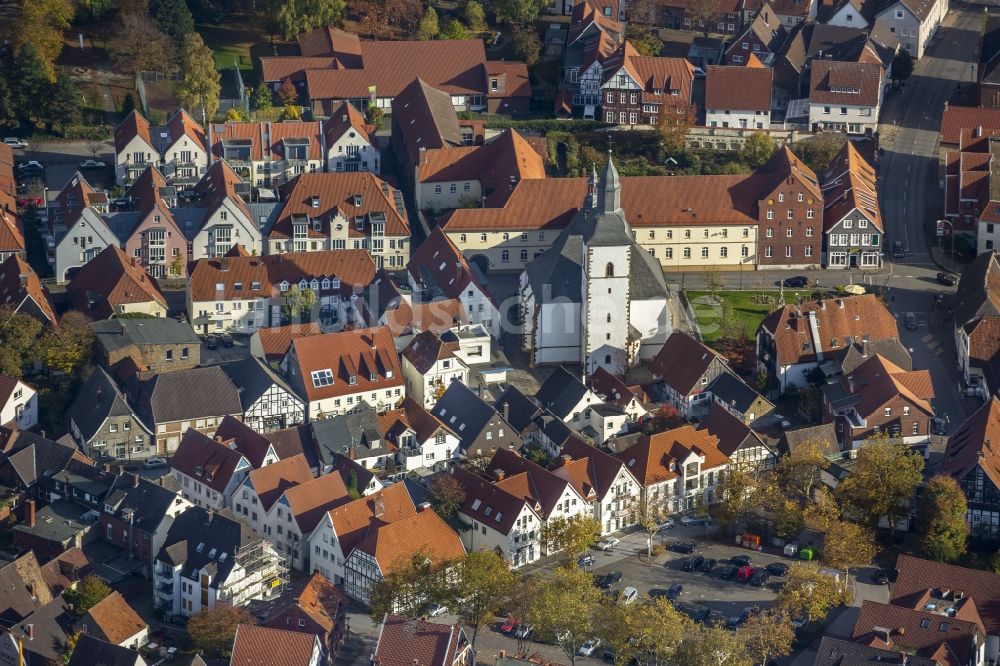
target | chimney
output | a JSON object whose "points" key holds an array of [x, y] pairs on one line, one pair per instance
{"points": [[218, 439], [24, 278], [29, 513], [29, 631], [979, 132], [506, 411], [132, 260], [499, 474], [121, 327], [135, 480]]}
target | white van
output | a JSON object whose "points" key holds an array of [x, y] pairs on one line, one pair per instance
{"points": [[629, 595]]}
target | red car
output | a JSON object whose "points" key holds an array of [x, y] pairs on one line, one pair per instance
{"points": [[745, 574], [30, 202], [509, 625]]}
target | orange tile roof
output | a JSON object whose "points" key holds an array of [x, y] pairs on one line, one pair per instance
{"points": [[358, 353], [134, 125], [339, 194], [523, 478], [18, 281], [327, 40], [410, 415], [851, 186], [972, 444], [438, 263], [237, 275], [311, 500], [110, 280], [436, 316], [258, 646], [270, 481], [217, 186], [738, 88], [181, 124], [343, 119], [854, 317], [425, 532], [276, 340], [354, 520], [320, 600], [879, 380], [656, 458], [115, 618]]}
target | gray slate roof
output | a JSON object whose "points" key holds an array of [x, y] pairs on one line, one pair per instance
{"points": [[123, 224], [50, 625], [838, 652], [520, 409], [189, 394], [355, 435], [220, 532], [458, 406], [561, 392], [148, 501], [113, 334], [98, 400], [973, 297], [33, 456], [252, 379], [891, 349], [90, 650], [189, 220], [733, 391], [59, 522]]}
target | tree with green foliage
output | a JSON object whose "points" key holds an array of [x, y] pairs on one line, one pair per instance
{"points": [[736, 497], [446, 495], [649, 513], [62, 105], [644, 40], [173, 17], [142, 46], [87, 593], [808, 593], [71, 641], [454, 29], [758, 148], [199, 86], [941, 519], [375, 116], [819, 150], [705, 14], [563, 608], [213, 630], [712, 646], [410, 583], [67, 349], [482, 579], [658, 628], [518, 12], [18, 338], [475, 16], [429, 27], [527, 45], [262, 98], [33, 85], [902, 65], [884, 479], [42, 24], [353, 492], [570, 536], [767, 636], [298, 16], [797, 473]]}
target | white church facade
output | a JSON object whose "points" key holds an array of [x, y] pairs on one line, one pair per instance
{"points": [[595, 298]]}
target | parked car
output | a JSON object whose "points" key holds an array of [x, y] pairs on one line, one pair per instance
{"points": [[696, 612], [674, 591], [737, 621], [911, 321], [880, 577], [658, 593], [16, 143], [524, 631], [605, 581], [437, 609], [897, 250], [744, 574], [777, 568], [795, 282], [728, 572], [682, 547], [211, 342], [949, 279], [92, 164], [708, 565], [740, 560], [696, 520], [586, 560], [693, 562], [509, 625], [589, 647], [667, 524], [760, 578], [628, 595], [607, 543], [227, 340], [154, 463], [939, 426], [24, 202], [31, 165]]}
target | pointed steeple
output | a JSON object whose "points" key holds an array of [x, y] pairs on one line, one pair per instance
{"points": [[591, 202], [611, 187]]}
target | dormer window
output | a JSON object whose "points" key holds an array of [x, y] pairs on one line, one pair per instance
{"points": [[372, 377], [303, 284], [314, 285], [197, 470], [283, 286], [358, 200], [256, 286], [335, 283], [353, 380], [325, 284]]}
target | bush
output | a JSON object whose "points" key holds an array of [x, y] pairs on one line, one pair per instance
{"points": [[658, 550], [544, 125]]}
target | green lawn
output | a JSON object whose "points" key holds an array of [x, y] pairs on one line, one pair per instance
{"points": [[231, 46], [709, 315]]}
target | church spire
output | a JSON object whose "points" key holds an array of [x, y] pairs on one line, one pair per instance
{"points": [[611, 187]]}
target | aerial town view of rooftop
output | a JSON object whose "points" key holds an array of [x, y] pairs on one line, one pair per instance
{"points": [[499, 332]]}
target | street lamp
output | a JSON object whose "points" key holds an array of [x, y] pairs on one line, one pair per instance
{"points": [[940, 233]]}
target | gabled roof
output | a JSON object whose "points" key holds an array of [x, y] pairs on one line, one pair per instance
{"points": [[403, 642], [345, 118], [918, 576], [979, 290], [850, 186], [958, 118], [972, 444], [293, 441], [253, 379], [890, 349], [594, 468], [489, 503], [730, 431], [359, 361], [181, 125], [199, 538], [309, 501], [250, 443], [256, 646], [22, 589], [115, 618], [271, 481], [657, 458], [111, 280], [524, 478], [424, 532], [118, 334], [355, 434], [915, 630], [33, 457], [320, 600], [426, 349], [410, 415], [207, 461], [50, 626], [738, 88], [841, 322], [736, 393], [847, 83], [561, 392], [353, 521], [519, 410], [90, 650], [613, 389], [436, 316], [147, 501], [839, 652], [439, 266], [189, 394], [877, 381], [682, 361], [218, 186], [135, 124], [22, 290], [7, 386], [276, 340], [428, 118], [465, 413]]}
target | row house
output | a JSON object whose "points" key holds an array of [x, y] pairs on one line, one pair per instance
{"points": [[683, 369], [629, 399], [429, 366], [738, 97], [268, 402], [788, 13], [253, 500], [845, 96], [977, 320], [104, 423], [208, 470], [253, 644], [970, 202], [914, 22], [336, 372], [114, 621], [113, 284], [210, 559], [762, 38], [393, 644], [677, 470], [178, 150], [438, 271], [603, 480], [245, 293], [480, 428], [320, 609], [592, 37], [946, 625], [639, 89], [355, 436], [337, 66], [770, 217], [970, 460], [151, 233], [78, 229], [22, 291], [795, 340], [738, 441], [219, 218], [11, 227], [18, 403], [266, 154], [688, 15], [852, 219], [582, 408], [877, 398], [337, 211], [421, 439]]}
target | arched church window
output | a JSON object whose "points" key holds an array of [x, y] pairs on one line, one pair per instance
{"points": [[609, 270]]}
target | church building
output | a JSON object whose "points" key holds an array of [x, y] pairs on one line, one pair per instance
{"points": [[595, 298]]}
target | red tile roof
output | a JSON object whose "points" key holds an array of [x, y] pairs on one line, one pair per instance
{"points": [[320, 600], [410, 415], [850, 83], [406, 642], [682, 361], [276, 340], [958, 118], [595, 469], [915, 631], [20, 286], [354, 520], [134, 125], [494, 164], [267, 138], [309, 501], [249, 442], [237, 275], [206, 460], [496, 507], [878, 380], [181, 125], [524, 478], [738, 88], [110, 280], [257, 646], [916, 576], [359, 353], [972, 445], [436, 316], [270, 481], [439, 263], [345, 118], [850, 186], [656, 458], [424, 532]]}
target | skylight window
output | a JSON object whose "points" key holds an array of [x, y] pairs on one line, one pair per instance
{"points": [[476, 504], [321, 378]]}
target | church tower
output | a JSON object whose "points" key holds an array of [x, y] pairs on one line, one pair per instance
{"points": [[606, 261]]}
